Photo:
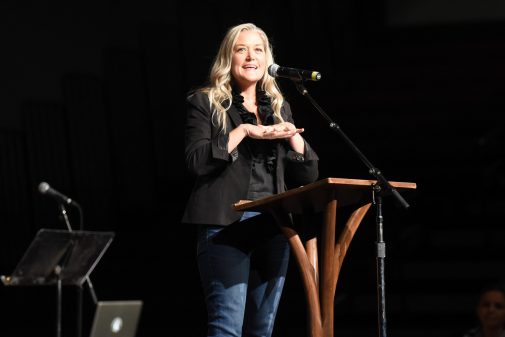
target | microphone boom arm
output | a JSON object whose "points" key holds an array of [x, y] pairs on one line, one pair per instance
{"points": [[382, 182]]}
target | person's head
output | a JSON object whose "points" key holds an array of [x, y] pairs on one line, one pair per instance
{"points": [[243, 57], [491, 307], [242, 60]]}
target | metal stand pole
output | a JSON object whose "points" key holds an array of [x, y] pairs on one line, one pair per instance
{"points": [[79, 290], [381, 255], [57, 271]]}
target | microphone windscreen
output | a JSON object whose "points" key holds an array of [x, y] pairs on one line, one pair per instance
{"points": [[43, 187], [272, 70]]}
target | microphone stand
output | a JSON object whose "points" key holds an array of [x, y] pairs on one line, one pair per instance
{"points": [[64, 215], [380, 187]]}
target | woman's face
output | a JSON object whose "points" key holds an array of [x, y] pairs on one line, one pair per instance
{"points": [[491, 309], [248, 59]]}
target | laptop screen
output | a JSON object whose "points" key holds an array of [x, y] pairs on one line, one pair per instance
{"points": [[116, 318]]}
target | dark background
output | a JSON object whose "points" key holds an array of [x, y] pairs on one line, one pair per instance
{"points": [[92, 101]]}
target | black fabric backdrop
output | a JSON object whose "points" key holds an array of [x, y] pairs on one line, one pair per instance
{"points": [[92, 102]]}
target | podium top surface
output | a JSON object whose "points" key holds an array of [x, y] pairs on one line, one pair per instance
{"points": [[59, 255], [315, 196]]}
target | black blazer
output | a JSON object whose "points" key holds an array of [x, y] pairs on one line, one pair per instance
{"points": [[222, 180]]}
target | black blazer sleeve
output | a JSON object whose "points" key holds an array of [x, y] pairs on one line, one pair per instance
{"points": [[299, 169], [205, 146]]}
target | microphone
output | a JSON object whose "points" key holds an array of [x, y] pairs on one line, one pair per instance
{"points": [[44, 188], [275, 70]]}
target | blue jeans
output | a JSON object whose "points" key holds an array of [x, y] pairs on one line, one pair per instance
{"points": [[242, 269]]}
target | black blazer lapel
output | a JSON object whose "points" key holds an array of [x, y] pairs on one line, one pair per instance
{"points": [[234, 116]]}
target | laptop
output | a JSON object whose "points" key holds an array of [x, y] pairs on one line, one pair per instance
{"points": [[116, 318]]}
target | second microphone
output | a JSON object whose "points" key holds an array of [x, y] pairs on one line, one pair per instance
{"points": [[44, 188]]}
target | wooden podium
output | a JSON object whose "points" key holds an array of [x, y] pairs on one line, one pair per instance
{"points": [[320, 280]]}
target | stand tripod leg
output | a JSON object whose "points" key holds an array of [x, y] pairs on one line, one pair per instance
{"points": [[80, 304]]}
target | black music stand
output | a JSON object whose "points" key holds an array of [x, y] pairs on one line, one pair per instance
{"points": [[59, 257]]}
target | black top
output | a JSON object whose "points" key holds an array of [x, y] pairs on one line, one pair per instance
{"points": [[262, 182]]}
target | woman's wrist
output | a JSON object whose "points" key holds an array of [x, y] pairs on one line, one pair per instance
{"points": [[297, 143], [245, 129]]}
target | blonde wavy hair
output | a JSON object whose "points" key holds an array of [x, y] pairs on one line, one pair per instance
{"points": [[219, 90]]}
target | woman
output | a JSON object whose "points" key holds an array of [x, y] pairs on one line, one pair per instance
{"points": [[242, 143]]}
